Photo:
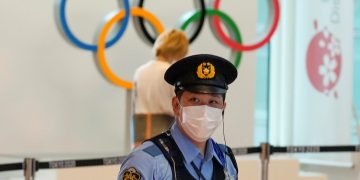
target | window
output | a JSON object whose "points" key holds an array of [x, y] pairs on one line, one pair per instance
{"points": [[262, 64], [356, 90]]}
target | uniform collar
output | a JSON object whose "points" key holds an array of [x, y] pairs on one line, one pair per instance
{"points": [[188, 149]]}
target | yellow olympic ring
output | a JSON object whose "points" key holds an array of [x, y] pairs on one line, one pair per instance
{"points": [[108, 73]]}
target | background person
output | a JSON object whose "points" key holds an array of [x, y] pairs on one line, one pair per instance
{"points": [[152, 95]]}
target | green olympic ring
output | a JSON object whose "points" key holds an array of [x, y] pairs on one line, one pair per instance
{"points": [[228, 22]]}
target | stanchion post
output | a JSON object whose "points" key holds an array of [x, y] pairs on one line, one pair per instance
{"points": [[128, 116], [29, 167], [265, 157]]}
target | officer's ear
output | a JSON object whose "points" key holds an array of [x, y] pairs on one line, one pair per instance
{"points": [[175, 106], [223, 112]]}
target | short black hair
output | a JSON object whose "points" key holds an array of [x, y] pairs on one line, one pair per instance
{"points": [[180, 93]]}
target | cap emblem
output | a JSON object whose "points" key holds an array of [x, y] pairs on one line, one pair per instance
{"points": [[205, 71]]}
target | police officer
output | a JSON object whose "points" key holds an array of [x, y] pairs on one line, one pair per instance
{"points": [[187, 151]]}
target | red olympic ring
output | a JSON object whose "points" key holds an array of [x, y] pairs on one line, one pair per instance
{"points": [[241, 47]]}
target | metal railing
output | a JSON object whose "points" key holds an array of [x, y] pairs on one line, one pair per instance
{"points": [[265, 150]]}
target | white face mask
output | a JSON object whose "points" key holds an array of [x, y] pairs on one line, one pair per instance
{"points": [[200, 122]]}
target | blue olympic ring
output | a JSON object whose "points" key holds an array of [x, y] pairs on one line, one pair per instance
{"points": [[70, 36]]}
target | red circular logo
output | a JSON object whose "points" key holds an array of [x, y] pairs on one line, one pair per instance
{"points": [[323, 61]]}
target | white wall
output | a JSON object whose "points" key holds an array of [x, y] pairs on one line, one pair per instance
{"points": [[53, 100]]}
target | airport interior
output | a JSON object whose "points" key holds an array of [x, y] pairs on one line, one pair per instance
{"points": [[68, 94]]}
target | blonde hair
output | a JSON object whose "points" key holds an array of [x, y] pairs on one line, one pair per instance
{"points": [[171, 45]]}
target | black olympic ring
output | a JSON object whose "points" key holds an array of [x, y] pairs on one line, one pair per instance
{"points": [[143, 32]]}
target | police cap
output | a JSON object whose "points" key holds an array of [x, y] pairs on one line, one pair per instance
{"points": [[202, 73]]}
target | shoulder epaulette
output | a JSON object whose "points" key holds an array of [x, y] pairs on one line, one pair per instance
{"points": [[153, 150]]}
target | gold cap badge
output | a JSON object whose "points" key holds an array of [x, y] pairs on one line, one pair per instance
{"points": [[205, 71]]}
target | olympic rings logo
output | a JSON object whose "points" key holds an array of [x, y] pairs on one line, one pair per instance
{"points": [[196, 18]]}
